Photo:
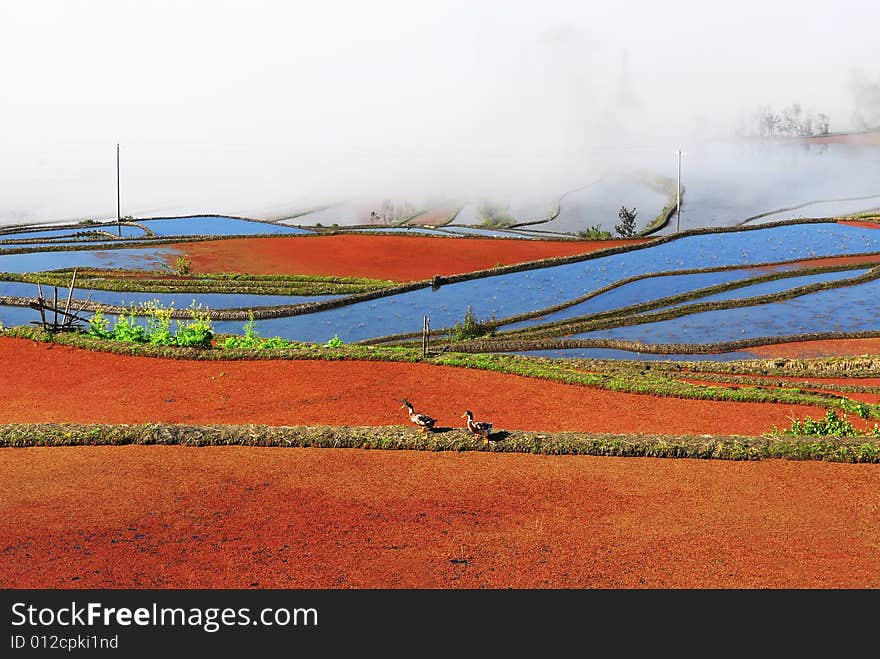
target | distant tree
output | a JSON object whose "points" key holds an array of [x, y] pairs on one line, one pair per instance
{"points": [[627, 226], [768, 121], [387, 212], [792, 122], [866, 99], [805, 128], [494, 215]]}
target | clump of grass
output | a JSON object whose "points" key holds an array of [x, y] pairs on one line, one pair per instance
{"points": [[335, 342], [594, 233], [251, 339], [831, 425], [471, 327]]}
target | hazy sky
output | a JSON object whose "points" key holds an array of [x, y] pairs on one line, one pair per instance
{"points": [[382, 93]]}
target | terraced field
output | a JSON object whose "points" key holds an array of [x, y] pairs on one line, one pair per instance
{"points": [[606, 367]]}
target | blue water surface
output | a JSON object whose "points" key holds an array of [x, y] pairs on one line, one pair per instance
{"points": [[506, 295], [180, 300], [838, 310], [640, 291], [141, 258], [774, 286], [216, 225], [125, 230]]}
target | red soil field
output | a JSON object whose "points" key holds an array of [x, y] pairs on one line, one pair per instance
{"points": [[91, 387], [398, 258], [864, 225], [869, 138], [234, 517], [244, 517], [826, 262], [829, 348]]}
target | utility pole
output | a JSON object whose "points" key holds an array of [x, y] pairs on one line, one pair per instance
{"points": [[678, 196], [118, 203]]}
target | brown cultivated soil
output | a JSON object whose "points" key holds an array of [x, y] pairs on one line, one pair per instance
{"points": [[864, 225], [398, 258], [808, 349], [234, 517], [869, 138], [825, 262], [247, 517], [54, 383]]}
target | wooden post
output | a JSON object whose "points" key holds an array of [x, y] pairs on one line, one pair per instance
{"points": [[42, 303], [64, 320], [55, 309], [75, 315], [426, 328]]}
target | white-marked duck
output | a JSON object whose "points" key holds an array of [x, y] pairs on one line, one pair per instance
{"points": [[424, 421], [479, 428]]}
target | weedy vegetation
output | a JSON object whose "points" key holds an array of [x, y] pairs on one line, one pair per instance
{"points": [[830, 425], [195, 331], [251, 339], [471, 327]]}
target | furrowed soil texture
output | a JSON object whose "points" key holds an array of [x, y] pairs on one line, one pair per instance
{"points": [[54, 383], [234, 517]]}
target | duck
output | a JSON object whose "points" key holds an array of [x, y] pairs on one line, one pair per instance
{"points": [[424, 421], [479, 428]]}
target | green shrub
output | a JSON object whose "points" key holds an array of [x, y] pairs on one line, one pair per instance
{"points": [[471, 327], [335, 342], [127, 329], [493, 215], [594, 233], [99, 326], [182, 266], [159, 324], [251, 339], [197, 332], [250, 327], [831, 425]]}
